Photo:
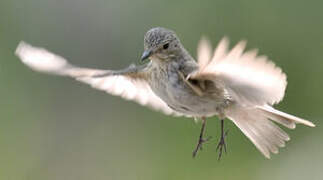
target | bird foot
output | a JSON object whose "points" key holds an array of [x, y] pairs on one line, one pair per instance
{"points": [[222, 145], [199, 145]]}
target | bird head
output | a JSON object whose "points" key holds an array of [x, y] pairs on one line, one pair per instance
{"points": [[162, 44]]}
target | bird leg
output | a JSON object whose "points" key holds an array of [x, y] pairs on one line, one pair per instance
{"points": [[222, 146], [201, 139]]}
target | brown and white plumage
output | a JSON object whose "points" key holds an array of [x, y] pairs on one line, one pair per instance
{"points": [[250, 79], [241, 86], [126, 85], [254, 84]]}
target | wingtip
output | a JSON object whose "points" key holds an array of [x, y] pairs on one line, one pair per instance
{"points": [[204, 51], [204, 42], [225, 40], [204, 38], [311, 124], [20, 48], [39, 59]]}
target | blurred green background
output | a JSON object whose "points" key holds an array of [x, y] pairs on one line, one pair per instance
{"points": [[55, 128]]}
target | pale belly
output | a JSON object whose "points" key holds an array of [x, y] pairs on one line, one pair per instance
{"points": [[181, 98]]}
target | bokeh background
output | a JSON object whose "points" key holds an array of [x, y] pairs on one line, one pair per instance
{"points": [[56, 128]]}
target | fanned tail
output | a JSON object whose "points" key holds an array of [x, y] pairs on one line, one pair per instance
{"points": [[256, 123]]}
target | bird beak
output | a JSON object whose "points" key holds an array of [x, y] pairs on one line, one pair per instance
{"points": [[146, 54]]}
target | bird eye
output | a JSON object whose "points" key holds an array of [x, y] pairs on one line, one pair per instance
{"points": [[165, 46]]}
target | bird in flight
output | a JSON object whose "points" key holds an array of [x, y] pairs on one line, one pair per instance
{"points": [[235, 84]]}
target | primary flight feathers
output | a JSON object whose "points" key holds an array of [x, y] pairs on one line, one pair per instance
{"points": [[126, 86], [250, 79]]}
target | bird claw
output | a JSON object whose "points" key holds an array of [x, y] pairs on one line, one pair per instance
{"points": [[222, 145], [199, 145]]}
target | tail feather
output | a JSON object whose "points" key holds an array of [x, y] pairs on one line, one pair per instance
{"points": [[256, 124], [284, 118]]}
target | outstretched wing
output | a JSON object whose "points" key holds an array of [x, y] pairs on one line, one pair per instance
{"points": [[249, 79], [129, 83]]}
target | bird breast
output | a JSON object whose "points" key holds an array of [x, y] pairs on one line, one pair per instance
{"points": [[167, 84]]}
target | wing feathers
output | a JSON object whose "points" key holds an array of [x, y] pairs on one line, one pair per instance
{"points": [[34, 58], [204, 50], [249, 78], [125, 83], [220, 52]]}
